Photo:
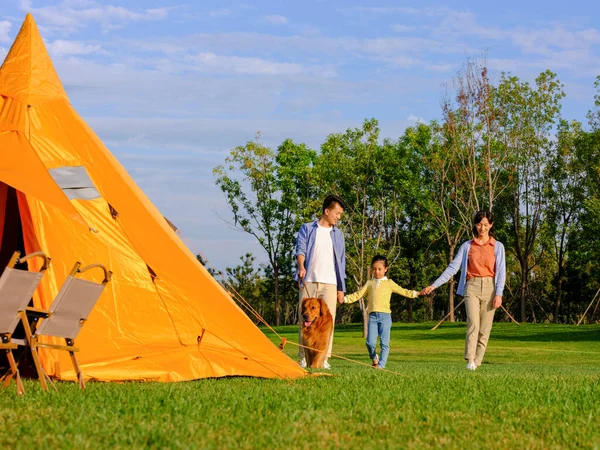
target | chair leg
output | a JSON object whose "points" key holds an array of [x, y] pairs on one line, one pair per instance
{"points": [[34, 353], [5, 379], [14, 372], [38, 366], [77, 370]]}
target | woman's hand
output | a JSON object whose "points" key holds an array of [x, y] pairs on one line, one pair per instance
{"points": [[428, 290], [497, 302]]}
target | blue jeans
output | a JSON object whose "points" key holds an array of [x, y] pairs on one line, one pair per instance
{"points": [[380, 324]]}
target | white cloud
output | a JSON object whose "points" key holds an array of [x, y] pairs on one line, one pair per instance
{"points": [[412, 118], [221, 12], [69, 16], [276, 20], [61, 47], [309, 46], [401, 28], [387, 10], [405, 62], [5, 27], [211, 63]]}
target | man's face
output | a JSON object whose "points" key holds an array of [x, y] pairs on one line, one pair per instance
{"points": [[333, 214]]}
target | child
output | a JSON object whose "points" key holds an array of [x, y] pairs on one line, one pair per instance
{"points": [[379, 291]]}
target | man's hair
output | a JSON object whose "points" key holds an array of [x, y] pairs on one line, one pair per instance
{"points": [[379, 258], [331, 200], [479, 216]]}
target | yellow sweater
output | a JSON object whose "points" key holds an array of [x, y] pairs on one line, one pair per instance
{"points": [[378, 297]]}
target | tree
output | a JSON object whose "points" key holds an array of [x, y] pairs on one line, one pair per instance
{"points": [[362, 171], [527, 118], [246, 281], [249, 179], [565, 196]]}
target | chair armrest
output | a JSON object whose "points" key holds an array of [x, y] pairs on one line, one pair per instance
{"points": [[37, 312]]}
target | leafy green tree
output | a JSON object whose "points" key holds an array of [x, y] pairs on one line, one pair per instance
{"points": [[245, 280], [249, 179], [565, 196], [527, 117], [365, 173]]}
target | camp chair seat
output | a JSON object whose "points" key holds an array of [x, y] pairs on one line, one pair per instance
{"points": [[68, 313], [16, 289]]}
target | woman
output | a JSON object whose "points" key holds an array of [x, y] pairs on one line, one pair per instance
{"points": [[483, 273]]}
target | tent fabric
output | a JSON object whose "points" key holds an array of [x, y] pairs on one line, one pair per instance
{"points": [[162, 317]]}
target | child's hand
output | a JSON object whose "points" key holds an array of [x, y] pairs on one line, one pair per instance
{"points": [[428, 290]]}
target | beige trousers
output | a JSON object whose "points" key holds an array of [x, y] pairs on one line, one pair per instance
{"points": [[479, 298], [328, 292]]}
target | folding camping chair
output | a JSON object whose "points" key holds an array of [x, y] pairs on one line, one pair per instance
{"points": [[68, 312], [16, 289]]}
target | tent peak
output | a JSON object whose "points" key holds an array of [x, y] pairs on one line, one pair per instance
{"points": [[27, 74]]}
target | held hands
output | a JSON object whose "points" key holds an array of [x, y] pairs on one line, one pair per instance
{"points": [[428, 290], [340, 297], [497, 302]]}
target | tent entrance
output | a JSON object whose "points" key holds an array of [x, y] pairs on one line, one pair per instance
{"points": [[11, 234]]}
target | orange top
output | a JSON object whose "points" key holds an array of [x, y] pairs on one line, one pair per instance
{"points": [[482, 261]]}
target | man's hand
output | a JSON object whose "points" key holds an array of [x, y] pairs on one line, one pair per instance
{"points": [[340, 297], [428, 290], [497, 302], [301, 272]]}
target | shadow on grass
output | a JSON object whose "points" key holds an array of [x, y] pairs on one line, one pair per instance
{"points": [[501, 331]]}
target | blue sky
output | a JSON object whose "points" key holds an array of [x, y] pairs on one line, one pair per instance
{"points": [[172, 86]]}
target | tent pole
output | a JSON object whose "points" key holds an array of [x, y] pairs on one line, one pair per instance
{"points": [[448, 315], [588, 308]]}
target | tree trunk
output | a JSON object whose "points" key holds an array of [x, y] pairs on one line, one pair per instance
{"points": [[277, 300], [410, 309], [558, 296], [451, 299], [451, 286], [363, 307], [523, 290]]}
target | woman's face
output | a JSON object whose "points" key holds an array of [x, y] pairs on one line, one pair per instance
{"points": [[483, 228]]}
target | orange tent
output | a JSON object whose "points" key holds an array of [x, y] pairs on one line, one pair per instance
{"points": [[162, 317]]}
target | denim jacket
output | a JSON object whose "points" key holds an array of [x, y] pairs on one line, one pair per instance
{"points": [[460, 263], [305, 243]]}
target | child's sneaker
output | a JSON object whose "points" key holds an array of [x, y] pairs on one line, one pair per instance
{"points": [[302, 363], [326, 365]]}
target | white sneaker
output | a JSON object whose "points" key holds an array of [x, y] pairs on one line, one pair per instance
{"points": [[326, 365], [471, 366], [302, 363]]}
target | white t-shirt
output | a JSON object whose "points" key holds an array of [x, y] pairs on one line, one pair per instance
{"points": [[322, 265]]}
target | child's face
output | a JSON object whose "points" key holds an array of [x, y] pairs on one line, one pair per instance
{"points": [[379, 270]]}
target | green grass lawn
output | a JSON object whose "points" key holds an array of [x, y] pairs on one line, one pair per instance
{"points": [[539, 387]]}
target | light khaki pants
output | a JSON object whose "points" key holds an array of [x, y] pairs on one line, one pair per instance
{"points": [[328, 292], [479, 298]]}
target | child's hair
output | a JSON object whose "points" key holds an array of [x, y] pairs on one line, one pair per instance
{"points": [[379, 258]]}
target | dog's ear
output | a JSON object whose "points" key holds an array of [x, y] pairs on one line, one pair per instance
{"points": [[324, 309]]}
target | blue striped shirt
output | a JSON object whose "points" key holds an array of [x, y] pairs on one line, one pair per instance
{"points": [[305, 243]]}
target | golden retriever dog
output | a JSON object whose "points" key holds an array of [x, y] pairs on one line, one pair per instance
{"points": [[317, 326]]}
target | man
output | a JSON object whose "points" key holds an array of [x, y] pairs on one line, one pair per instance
{"points": [[321, 256]]}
